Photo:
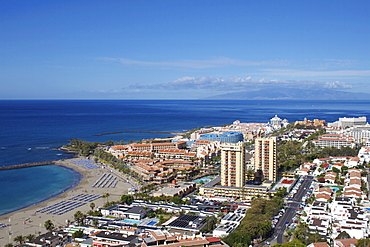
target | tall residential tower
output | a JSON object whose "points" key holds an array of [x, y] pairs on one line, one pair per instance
{"points": [[265, 157], [233, 164]]}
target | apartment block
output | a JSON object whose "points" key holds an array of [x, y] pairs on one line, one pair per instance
{"points": [[233, 164], [265, 157]]}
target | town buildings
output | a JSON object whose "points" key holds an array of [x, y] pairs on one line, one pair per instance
{"points": [[335, 140]]}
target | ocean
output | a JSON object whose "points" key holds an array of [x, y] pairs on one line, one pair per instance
{"points": [[30, 130]]}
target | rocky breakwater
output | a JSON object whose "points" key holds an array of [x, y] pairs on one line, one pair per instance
{"points": [[25, 165]]}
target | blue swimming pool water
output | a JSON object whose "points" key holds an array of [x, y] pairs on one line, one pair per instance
{"points": [[132, 221], [152, 223], [334, 188], [203, 179]]}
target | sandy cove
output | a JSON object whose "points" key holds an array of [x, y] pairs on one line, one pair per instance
{"points": [[19, 225]]}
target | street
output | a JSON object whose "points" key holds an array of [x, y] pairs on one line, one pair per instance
{"points": [[290, 212]]}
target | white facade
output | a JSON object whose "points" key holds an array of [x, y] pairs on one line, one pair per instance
{"points": [[348, 122]]}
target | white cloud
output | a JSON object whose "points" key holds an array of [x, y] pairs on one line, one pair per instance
{"points": [[311, 73], [237, 83]]}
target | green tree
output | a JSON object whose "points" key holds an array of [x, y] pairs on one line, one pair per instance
{"points": [[95, 222], [29, 237], [257, 221], [177, 200], [211, 222], [78, 234], [79, 217], [343, 235], [127, 199], [20, 239], [363, 242], [92, 206], [49, 225], [294, 243], [336, 170], [9, 245], [106, 195]]}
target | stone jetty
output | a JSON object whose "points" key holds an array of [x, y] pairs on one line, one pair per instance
{"points": [[31, 164]]}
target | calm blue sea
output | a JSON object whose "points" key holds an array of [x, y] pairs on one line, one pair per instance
{"points": [[30, 130]]}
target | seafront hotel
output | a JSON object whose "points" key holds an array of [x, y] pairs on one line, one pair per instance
{"points": [[233, 171]]}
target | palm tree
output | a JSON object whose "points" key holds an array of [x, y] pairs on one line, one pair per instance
{"points": [[92, 206], [79, 217], [95, 222], [106, 196], [20, 239], [49, 225], [30, 236]]}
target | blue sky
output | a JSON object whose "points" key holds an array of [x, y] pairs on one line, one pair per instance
{"points": [[180, 49]]}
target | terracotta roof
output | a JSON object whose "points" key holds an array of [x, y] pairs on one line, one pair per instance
{"points": [[354, 170], [189, 243], [326, 190], [304, 170], [323, 196], [138, 153], [190, 154], [118, 147], [321, 244], [172, 151], [352, 193], [354, 181], [331, 174], [338, 164], [213, 239], [202, 142], [348, 189], [165, 162], [348, 242], [158, 235]]}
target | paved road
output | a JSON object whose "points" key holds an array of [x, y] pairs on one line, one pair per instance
{"points": [[278, 236]]}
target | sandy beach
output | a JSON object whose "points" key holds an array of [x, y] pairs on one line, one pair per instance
{"points": [[26, 221]]}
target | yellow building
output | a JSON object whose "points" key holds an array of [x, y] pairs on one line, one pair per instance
{"points": [[315, 122]]}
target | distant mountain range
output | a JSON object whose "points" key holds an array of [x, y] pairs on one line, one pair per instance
{"points": [[292, 94]]}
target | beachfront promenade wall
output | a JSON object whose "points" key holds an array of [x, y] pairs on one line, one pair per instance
{"points": [[31, 164]]}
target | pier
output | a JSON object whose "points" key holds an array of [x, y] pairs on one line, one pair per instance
{"points": [[135, 131], [25, 165]]}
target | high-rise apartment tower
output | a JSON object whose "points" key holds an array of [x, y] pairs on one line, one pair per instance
{"points": [[265, 157], [233, 164]]}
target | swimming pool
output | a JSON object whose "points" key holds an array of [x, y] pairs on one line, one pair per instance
{"points": [[152, 223], [129, 221], [203, 179]]}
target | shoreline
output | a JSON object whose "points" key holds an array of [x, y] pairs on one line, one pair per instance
{"points": [[26, 221], [75, 184]]}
